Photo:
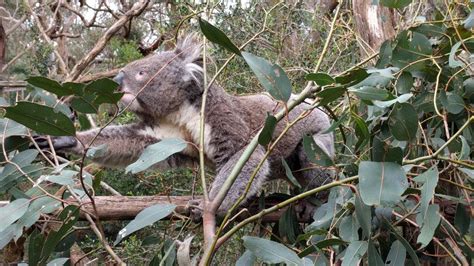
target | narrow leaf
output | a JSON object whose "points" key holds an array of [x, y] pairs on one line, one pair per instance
{"points": [[12, 212], [430, 223], [156, 153], [397, 254], [215, 35], [146, 217], [354, 253], [271, 252], [267, 132]]}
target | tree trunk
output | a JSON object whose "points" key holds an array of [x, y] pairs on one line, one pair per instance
{"points": [[374, 24]]}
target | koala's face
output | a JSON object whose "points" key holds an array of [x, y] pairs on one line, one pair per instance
{"points": [[157, 85]]}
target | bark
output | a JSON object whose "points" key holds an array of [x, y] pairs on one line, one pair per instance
{"points": [[374, 24], [3, 44]]}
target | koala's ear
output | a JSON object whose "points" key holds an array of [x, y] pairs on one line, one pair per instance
{"points": [[189, 48]]}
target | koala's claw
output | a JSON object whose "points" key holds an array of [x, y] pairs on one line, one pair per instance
{"points": [[195, 210], [304, 210]]}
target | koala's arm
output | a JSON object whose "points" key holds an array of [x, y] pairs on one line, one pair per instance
{"points": [[124, 145], [238, 188]]}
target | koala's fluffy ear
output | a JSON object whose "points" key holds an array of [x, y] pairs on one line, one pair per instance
{"points": [[189, 49]]}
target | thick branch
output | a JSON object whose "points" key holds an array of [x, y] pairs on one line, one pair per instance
{"points": [[136, 10]]}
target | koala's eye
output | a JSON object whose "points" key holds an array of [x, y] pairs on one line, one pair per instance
{"points": [[141, 73]]}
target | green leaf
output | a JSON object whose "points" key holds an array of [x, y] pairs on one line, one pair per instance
{"points": [[403, 122], [395, 3], [267, 132], [271, 252], [348, 229], [370, 93], [289, 174], [11, 128], [409, 51], [352, 77], [361, 130], [64, 178], [49, 85], [364, 216], [247, 259], [404, 242], [104, 90], [329, 95], [430, 223], [383, 152], [215, 35], [272, 77], [429, 179], [397, 254], [69, 216], [322, 79], [400, 99], [42, 119], [9, 234], [96, 152], [373, 256], [454, 103], [37, 207], [146, 217], [405, 82], [85, 104], [57, 262], [453, 63], [156, 153], [12, 212], [35, 245], [288, 226], [381, 183], [315, 153], [354, 253], [468, 23], [374, 80], [330, 242], [461, 219]]}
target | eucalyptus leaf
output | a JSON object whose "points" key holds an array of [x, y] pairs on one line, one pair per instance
{"points": [[146, 217], [11, 128], [247, 259], [215, 35], [431, 221], [315, 153], [49, 85], [42, 119], [271, 76], [271, 252], [266, 134], [403, 122], [381, 183], [429, 179], [12, 212], [354, 253], [322, 79], [156, 153], [396, 255]]}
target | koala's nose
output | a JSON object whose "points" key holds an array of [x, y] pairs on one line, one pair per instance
{"points": [[119, 78]]}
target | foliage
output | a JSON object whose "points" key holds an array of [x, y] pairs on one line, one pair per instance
{"points": [[404, 169]]}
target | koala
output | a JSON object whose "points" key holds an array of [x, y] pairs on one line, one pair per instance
{"points": [[165, 91]]}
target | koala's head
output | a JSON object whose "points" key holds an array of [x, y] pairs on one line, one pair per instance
{"points": [[158, 84]]}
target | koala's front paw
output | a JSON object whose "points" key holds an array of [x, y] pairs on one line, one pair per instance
{"points": [[304, 210], [195, 210], [59, 143]]}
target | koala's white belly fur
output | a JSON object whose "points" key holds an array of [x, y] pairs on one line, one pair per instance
{"points": [[184, 124]]}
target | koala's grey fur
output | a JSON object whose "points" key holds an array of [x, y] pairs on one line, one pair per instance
{"points": [[169, 105]]}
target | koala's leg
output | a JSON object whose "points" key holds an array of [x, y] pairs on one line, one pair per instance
{"points": [[313, 176], [238, 188]]}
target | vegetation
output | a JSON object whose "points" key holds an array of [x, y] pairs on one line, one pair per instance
{"points": [[402, 117]]}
